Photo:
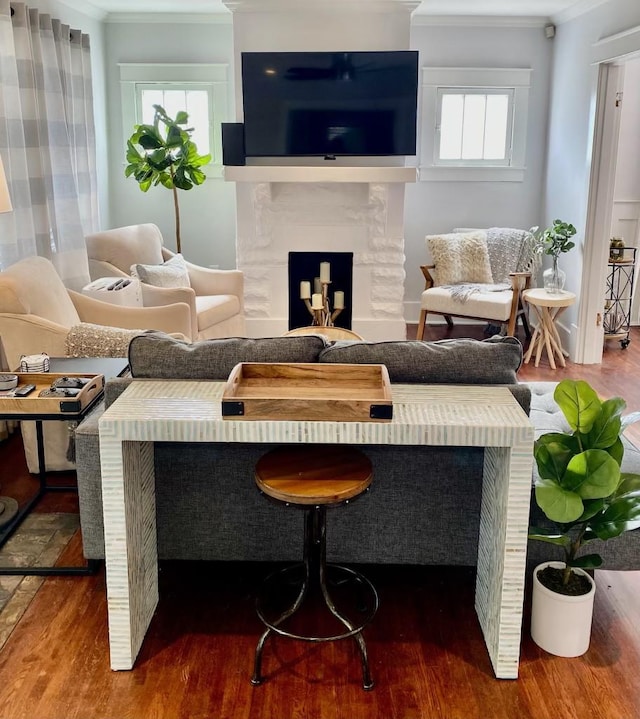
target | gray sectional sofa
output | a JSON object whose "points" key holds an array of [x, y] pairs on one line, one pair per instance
{"points": [[424, 504]]}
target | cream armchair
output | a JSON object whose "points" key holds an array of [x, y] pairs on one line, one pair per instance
{"points": [[38, 314], [215, 297], [480, 275]]}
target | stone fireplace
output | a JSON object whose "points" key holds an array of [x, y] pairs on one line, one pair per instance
{"points": [[312, 205]]}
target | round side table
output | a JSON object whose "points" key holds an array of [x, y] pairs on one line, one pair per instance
{"points": [[548, 307], [331, 333]]}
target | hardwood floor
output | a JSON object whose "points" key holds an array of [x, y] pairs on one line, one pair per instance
{"points": [[427, 653]]}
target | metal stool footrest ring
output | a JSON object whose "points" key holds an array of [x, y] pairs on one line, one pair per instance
{"points": [[365, 587], [315, 576]]}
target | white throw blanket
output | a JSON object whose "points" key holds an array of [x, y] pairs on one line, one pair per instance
{"points": [[510, 250]]}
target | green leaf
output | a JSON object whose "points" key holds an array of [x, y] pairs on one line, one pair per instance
{"points": [[617, 451], [197, 177], [199, 160], [591, 508], [620, 516], [629, 485], [132, 153], [592, 474], [558, 504], [150, 141], [587, 561], [182, 118], [145, 185], [579, 404], [549, 536], [174, 136], [552, 452], [607, 425]]}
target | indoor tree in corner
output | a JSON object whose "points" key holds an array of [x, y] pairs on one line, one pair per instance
{"points": [[164, 154]]}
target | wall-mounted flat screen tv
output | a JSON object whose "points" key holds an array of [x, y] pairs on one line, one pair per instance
{"points": [[330, 103]]}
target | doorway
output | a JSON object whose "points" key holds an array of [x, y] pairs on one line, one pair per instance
{"points": [[610, 177]]}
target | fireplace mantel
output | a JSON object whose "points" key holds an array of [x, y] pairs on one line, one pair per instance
{"points": [[310, 173]]}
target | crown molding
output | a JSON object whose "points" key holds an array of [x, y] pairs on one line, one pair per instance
{"points": [[424, 19], [170, 18], [87, 9], [370, 6], [573, 11]]}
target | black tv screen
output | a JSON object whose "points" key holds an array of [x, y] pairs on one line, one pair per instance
{"points": [[329, 103]]}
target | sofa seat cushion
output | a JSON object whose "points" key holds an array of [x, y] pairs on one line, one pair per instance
{"points": [[213, 309], [493, 305], [457, 361], [157, 355]]}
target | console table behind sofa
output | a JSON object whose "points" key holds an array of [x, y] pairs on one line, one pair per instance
{"points": [[186, 411]]}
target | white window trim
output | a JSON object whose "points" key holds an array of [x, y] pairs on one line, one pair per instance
{"points": [[518, 79], [215, 76]]}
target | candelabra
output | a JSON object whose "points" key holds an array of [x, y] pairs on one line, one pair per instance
{"points": [[318, 302]]}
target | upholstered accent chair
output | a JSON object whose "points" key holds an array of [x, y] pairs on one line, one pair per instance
{"points": [[480, 275], [215, 297], [38, 313]]}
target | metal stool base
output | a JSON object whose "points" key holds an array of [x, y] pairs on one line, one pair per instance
{"points": [[315, 569]]}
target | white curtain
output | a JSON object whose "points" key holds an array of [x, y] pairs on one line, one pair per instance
{"points": [[47, 141]]}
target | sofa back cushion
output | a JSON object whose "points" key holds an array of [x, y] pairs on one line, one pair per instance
{"points": [[456, 361], [156, 355]]}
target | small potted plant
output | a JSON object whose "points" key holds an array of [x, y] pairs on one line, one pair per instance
{"points": [[164, 154], [582, 490], [553, 242]]}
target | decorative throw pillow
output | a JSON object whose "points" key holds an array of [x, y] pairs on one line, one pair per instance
{"points": [[173, 273], [89, 340], [460, 257]]}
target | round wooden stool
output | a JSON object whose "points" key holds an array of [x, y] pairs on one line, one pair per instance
{"points": [[314, 477]]}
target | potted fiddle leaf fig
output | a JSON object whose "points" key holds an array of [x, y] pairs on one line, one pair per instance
{"points": [[164, 154], [582, 490]]}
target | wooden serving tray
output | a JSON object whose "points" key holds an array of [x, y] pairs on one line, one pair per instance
{"points": [[33, 404], [316, 392]]}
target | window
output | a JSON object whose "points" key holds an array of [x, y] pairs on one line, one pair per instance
{"points": [[474, 126], [200, 90], [474, 123]]}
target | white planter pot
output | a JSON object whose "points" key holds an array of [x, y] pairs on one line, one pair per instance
{"points": [[561, 625]]}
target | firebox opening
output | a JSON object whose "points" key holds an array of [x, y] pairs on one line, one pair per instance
{"points": [[305, 267]]}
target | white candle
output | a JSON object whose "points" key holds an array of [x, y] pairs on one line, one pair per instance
{"points": [[325, 272], [317, 285], [338, 300], [316, 301], [305, 290]]}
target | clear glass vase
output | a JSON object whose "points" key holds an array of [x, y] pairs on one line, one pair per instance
{"points": [[553, 278]]}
